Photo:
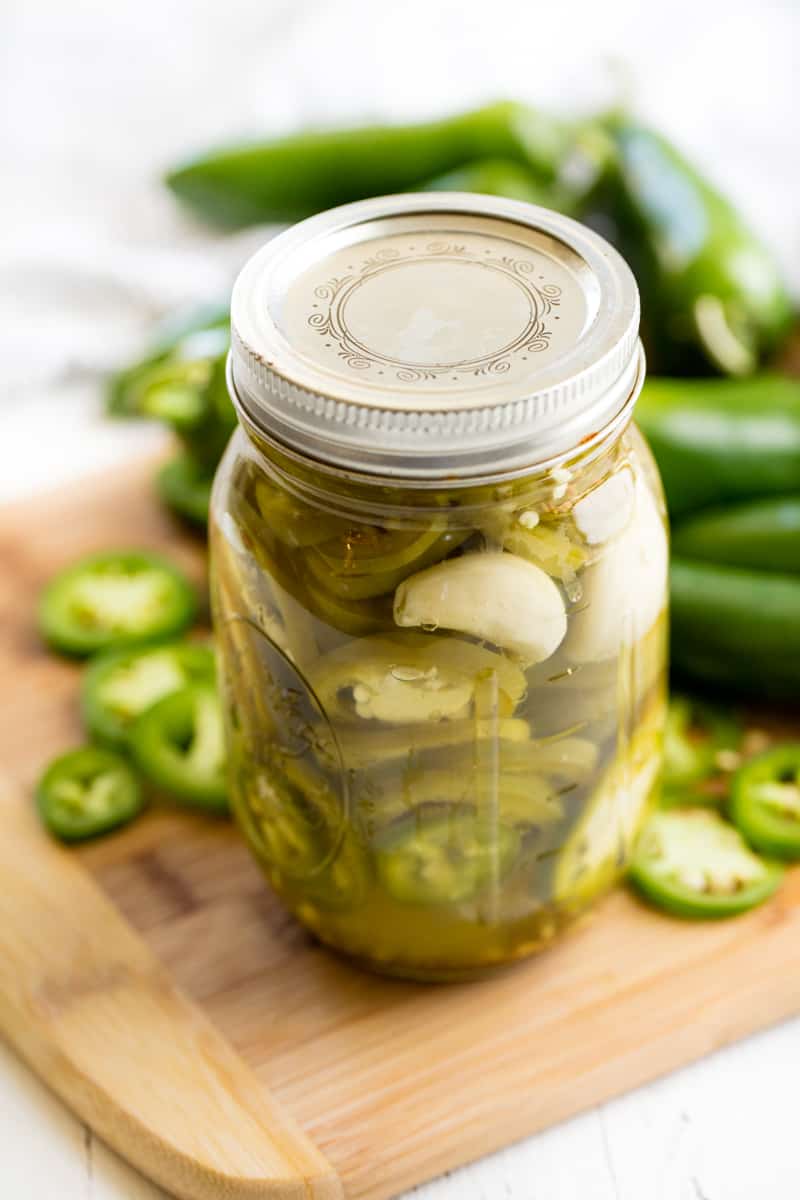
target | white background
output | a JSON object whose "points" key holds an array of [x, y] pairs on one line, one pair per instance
{"points": [[96, 98]]}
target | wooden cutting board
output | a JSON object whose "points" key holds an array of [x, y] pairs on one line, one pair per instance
{"points": [[394, 1083]]}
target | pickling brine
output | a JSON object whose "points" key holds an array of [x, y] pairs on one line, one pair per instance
{"points": [[445, 717], [445, 697]]}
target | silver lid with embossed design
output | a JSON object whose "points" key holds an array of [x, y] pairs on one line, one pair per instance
{"points": [[435, 335]]}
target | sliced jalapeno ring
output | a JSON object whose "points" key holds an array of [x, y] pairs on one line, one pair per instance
{"points": [[765, 801], [294, 825], [700, 740], [443, 854], [370, 561], [693, 863], [121, 684], [411, 678], [87, 792], [178, 746], [107, 601], [185, 486]]}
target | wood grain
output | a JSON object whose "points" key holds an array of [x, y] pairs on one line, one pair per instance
{"points": [[394, 1083], [85, 1001]]}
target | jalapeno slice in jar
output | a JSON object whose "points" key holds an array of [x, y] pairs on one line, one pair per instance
{"points": [[121, 684], [765, 801], [114, 600], [441, 855], [184, 485], [178, 746], [370, 561], [87, 792], [410, 678], [294, 824], [699, 740], [692, 863]]}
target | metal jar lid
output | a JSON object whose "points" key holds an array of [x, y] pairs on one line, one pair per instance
{"points": [[431, 336]]}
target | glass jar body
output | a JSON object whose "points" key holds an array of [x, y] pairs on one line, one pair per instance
{"points": [[444, 705]]}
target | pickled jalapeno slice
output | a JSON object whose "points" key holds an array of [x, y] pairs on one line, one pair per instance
{"points": [[114, 600], [371, 561], [523, 802], [700, 739], [407, 678], [178, 746], [294, 824], [87, 792], [692, 863], [441, 855], [121, 684], [598, 846], [765, 801]]}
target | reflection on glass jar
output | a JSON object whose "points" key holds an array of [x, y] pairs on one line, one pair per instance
{"points": [[444, 685]]}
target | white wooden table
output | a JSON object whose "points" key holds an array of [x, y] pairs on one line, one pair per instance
{"points": [[94, 99]]}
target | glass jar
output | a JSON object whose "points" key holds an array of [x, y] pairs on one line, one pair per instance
{"points": [[439, 567]]}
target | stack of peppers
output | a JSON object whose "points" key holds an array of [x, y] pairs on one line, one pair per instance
{"points": [[713, 304]]}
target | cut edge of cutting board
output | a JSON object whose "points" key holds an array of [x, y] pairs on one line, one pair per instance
{"points": [[393, 1083]]}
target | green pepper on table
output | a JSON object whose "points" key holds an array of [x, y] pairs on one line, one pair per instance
{"points": [[105, 601], [692, 863], [765, 801], [711, 292], [178, 745], [697, 738], [762, 535], [736, 628], [283, 179], [719, 440], [87, 792], [503, 177], [118, 686]]}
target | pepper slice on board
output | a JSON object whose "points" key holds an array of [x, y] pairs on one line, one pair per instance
{"points": [[87, 792], [179, 747], [692, 863], [697, 738], [106, 601], [120, 685], [765, 801], [443, 855]]}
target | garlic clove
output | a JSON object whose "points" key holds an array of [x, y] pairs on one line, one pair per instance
{"points": [[625, 589], [494, 596]]}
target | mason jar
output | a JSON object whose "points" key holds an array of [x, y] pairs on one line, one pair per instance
{"points": [[439, 564]]}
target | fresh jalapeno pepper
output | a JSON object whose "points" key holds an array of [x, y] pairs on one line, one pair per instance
{"points": [[294, 823], [717, 440], [735, 627], [699, 740], [758, 534], [87, 792], [765, 801], [502, 177], [443, 855], [184, 485], [200, 334], [292, 177], [115, 600], [711, 292], [120, 685], [692, 863], [178, 746]]}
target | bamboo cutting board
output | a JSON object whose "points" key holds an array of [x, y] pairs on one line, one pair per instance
{"points": [[389, 1083]]}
